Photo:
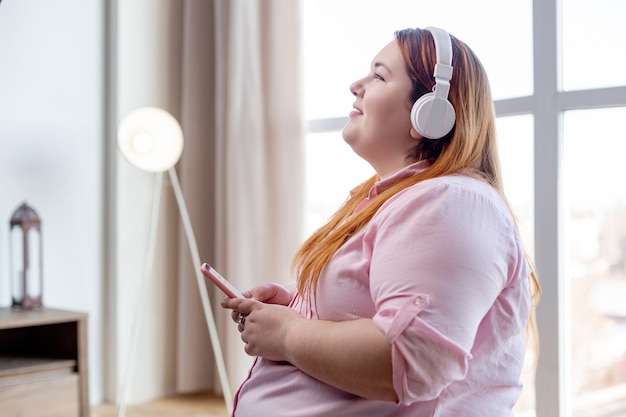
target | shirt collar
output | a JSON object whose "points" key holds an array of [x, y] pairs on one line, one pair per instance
{"points": [[380, 186], [408, 171]]}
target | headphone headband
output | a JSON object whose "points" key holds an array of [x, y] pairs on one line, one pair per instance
{"points": [[443, 67], [443, 49]]}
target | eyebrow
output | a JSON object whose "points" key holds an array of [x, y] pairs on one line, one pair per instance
{"points": [[380, 64]]}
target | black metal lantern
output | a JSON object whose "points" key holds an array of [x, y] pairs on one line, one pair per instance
{"points": [[25, 259]]}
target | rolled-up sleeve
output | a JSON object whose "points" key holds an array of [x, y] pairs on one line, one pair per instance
{"points": [[438, 262]]}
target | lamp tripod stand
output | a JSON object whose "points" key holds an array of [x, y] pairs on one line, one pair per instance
{"points": [[151, 139]]}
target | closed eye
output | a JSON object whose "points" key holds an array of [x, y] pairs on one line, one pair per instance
{"points": [[376, 70]]}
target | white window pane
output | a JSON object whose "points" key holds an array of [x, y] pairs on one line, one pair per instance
{"points": [[595, 270], [341, 38], [516, 150], [332, 170], [593, 44]]}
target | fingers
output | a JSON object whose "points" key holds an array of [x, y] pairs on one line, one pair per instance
{"points": [[241, 322], [272, 293], [241, 309], [234, 315], [241, 305]]}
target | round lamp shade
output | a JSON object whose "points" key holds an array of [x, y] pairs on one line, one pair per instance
{"points": [[151, 139]]}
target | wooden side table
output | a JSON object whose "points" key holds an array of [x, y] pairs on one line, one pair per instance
{"points": [[43, 363]]}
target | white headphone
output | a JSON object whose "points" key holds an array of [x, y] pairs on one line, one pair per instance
{"points": [[432, 115]]}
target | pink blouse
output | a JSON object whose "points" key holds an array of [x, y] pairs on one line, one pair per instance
{"points": [[441, 271]]}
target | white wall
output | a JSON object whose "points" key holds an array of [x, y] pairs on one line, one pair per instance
{"points": [[52, 150]]}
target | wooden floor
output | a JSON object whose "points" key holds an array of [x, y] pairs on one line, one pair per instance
{"points": [[191, 405]]}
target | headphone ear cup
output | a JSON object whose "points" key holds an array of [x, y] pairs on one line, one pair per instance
{"points": [[420, 113], [426, 113]]}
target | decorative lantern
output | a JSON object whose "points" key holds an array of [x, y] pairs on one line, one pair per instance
{"points": [[25, 259]]}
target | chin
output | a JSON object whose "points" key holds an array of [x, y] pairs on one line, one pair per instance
{"points": [[348, 135], [345, 130]]}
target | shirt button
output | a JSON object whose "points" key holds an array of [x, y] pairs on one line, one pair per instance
{"points": [[419, 301]]}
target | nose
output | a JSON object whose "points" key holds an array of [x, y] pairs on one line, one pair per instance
{"points": [[356, 88]]}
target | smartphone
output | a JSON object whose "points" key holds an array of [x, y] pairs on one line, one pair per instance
{"points": [[221, 282]]}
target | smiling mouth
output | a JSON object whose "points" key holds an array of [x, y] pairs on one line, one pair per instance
{"points": [[355, 111]]}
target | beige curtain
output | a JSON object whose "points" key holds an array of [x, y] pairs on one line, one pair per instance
{"points": [[228, 70], [260, 146], [242, 166]]}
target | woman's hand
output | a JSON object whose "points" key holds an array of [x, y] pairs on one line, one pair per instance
{"points": [[265, 331], [264, 327], [271, 293]]}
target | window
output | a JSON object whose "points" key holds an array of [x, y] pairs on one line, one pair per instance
{"points": [[560, 98], [593, 44], [332, 170], [594, 146], [516, 148]]}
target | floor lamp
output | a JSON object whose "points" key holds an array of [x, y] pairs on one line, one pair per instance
{"points": [[151, 139]]}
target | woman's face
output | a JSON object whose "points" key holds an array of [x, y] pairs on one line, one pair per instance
{"points": [[379, 129]]}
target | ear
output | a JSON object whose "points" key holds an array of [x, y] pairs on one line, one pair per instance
{"points": [[414, 134]]}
